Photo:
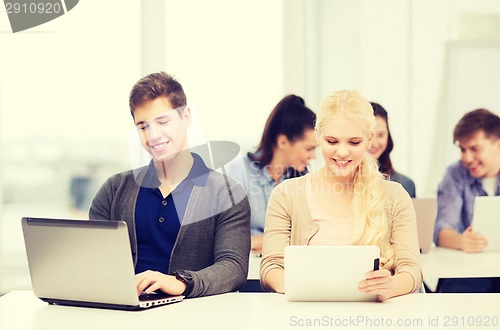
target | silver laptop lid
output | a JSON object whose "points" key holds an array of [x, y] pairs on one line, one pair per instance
{"points": [[80, 260], [425, 210]]}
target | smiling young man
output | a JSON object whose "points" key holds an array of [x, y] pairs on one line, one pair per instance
{"points": [[477, 173], [189, 225]]}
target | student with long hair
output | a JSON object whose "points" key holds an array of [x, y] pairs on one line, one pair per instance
{"points": [[345, 202], [382, 147], [287, 145]]}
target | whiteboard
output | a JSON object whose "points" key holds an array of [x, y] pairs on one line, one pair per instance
{"points": [[473, 81]]}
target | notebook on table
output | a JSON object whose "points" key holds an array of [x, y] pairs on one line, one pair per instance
{"points": [[328, 273], [84, 263], [425, 210], [486, 220]]}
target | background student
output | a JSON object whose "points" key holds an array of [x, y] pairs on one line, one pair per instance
{"points": [[287, 145], [346, 202], [382, 147], [189, 226], [477, 173]]}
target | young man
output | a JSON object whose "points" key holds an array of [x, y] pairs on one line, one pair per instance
{"points": [[189, 225], [476, 174]]}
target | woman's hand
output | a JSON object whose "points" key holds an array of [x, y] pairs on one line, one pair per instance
{"points": [[150, 281], [379, 282]]}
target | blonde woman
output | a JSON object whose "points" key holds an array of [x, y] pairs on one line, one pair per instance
{"points": [[346, 202]]}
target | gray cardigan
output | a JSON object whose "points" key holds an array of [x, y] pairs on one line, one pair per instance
{"points": [[213, 243]]}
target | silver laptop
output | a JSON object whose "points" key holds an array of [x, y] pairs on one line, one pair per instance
{"points": [[426, 210], [84, 263], [486, 220], [328, 273]]}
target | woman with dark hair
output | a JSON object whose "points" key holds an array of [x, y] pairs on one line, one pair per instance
{"points": [[287, 144], [382, 147]]}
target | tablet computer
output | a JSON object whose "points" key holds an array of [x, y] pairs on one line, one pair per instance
{"points": [[328, 273], [486, 220]]}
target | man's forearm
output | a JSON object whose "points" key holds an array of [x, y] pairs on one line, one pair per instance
{"points": [[450, 238]]}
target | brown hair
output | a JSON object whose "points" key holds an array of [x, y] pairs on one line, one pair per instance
{"points": [[156, 85], [476, 120], [385, 159], [290, 117]]}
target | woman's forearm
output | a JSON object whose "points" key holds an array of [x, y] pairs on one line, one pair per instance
{"points": [[275, 280]]}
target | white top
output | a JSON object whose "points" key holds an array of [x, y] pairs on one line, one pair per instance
{"points": [[490, 185], [332, 231]]}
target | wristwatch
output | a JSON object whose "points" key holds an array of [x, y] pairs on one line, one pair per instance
{"points": [[187, 279]]}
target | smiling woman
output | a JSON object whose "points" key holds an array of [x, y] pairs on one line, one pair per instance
{"points": [[287, 144], [343, 141], [382, 147], [346, 202]]}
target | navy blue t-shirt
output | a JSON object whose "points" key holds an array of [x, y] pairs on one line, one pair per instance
{"points": [[158, 219]]}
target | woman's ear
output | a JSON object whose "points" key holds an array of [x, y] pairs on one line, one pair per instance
{"points": [[318, 137], [282, 141], [370, 142]]}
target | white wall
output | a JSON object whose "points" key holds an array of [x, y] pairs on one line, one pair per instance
{"points": [[228, 55], [63, 105], [395, 53]]}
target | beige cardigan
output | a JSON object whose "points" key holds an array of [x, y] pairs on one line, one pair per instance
{"points": [[289, 222]]}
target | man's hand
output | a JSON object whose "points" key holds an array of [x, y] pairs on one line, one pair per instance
{"points": [[150, 281], [473, 242], [257, 243]]}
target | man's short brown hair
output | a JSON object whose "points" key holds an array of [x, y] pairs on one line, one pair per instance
{"points": [[477, 120], [156, 85]]}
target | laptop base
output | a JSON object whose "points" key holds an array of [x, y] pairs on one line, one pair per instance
{"points": [[143, 305]]}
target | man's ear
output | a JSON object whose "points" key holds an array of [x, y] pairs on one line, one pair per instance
{"points": [[186, 115]]}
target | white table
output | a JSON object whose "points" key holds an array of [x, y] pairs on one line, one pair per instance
{"points": [[21, 310], [449, 263], [253, 267]]}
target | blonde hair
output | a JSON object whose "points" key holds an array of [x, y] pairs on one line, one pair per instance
{"points": [[368, 202]]}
